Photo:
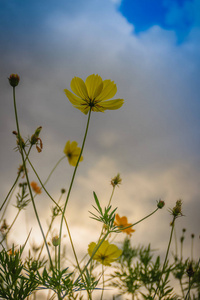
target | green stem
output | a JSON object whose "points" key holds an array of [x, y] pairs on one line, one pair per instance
{"points": [[57, 204], [10, 191], [91, 257], [56, 255], [139, 220], [70, 187], [27, 178], [176, 247], [18, 175], [7, 203], [192, 247], [181, 284], [74, 252], [166, 256], [143, 218], [107, 207], [54, 169], [10, 226], [103, 284], [111, 196]]}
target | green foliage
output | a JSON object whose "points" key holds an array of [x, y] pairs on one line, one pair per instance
{"points": [[14, 284], [106, 217], [139, 273], [21, 198]]}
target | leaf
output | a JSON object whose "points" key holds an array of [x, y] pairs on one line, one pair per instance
{"points": [[97, 202]]}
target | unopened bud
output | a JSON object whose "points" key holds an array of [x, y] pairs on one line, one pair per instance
{"points": [[56, 241], [190, 270], [177, 210], [14, 80], [160, 204]]}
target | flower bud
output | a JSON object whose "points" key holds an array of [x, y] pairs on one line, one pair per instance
{"points": [[177, 210], [14, 80], [56, 241], [190, 270], [160, 204]]}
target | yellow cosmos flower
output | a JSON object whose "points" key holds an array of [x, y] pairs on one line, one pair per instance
{"points": [[106, 254], [123, 222], [72, 152], [93, 94]]}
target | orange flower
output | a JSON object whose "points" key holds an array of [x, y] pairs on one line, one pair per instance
{"points": [[35, 187], [122, 223]]}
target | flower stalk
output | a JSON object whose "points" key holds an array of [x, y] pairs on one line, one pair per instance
{"points": [[27, 178]]}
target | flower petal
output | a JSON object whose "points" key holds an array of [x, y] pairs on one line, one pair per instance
{"points": [[67, 147], [124, 221], [110, 104], [73, 99], [109, 90], [73, 146], [94, 86], [77, 102], [79, 88], [91, 249], [117, 218]]}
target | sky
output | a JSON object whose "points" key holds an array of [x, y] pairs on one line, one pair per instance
{"points": [[151, 50]]}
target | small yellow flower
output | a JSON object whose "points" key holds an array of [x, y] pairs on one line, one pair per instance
{"points": [[106, 253], [123, 222], [35, 187], [93, 94], [72, 152]]}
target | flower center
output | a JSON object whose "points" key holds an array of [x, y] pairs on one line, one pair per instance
{"points": [[69, 154]]}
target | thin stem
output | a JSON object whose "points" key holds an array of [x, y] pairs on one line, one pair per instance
{"points": [[176, 246], [181, 284], [57, 204], [70, 187], [140, 220], [103, 283], [10, 191], [192, 247], [10, 226], [18, 175], [73, 249], [107, 207], [27, 178], [53, 169], [93, 253], [111, 196], [181, 250], [74, 252], [166, 256], [56, 256], [7, 203], [143, 218]]}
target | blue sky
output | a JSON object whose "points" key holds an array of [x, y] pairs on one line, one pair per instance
{"points": [[176, 15], [153, 140]]}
